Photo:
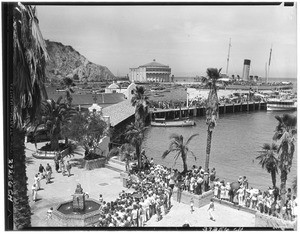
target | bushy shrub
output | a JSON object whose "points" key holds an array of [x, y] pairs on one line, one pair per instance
{"points": [[61, 147], [92, 156]]}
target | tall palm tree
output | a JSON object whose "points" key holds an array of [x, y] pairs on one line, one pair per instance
{"points": [[285, 133], [268, 160], [29, 58], [140, 101], [181, 149], [212, 107], [55, 115], [135, 135]]}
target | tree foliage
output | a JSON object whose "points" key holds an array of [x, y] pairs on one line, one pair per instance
{"points": [[180, 148], [140, 101], [87, 128], [268, 160], [55, 117], [135, 135], [29, 60]]}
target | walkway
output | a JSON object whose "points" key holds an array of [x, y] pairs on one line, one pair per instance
{"points": [[107, 182]]}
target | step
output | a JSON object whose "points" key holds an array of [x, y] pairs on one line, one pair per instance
{"points": [[117, 161], [115, 166]]}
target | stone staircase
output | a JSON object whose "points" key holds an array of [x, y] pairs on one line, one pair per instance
{"points": [[115, 166]]}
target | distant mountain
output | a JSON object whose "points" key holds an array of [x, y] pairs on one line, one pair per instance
{"points": [[67, 62]]}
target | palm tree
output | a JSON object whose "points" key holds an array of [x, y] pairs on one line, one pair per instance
{"points": [[68, 82], [140, 101], [135, 135], [212, 107], [268, 160], [181, 148], [55, 115], [285, 133], [29, 58], [126, 150]]}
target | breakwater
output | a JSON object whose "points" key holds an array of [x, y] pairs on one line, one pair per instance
{"points": [[195, 111]]}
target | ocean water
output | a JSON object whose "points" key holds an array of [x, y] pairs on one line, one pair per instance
{"points": [[235, 144]]}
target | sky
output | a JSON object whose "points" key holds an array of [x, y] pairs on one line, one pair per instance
{"points": [[189, 39]]}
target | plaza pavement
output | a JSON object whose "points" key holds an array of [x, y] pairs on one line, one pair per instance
{"points": [[107, 182]]}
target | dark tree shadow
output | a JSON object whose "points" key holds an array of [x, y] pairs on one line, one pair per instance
{"points": [[29, 160]]}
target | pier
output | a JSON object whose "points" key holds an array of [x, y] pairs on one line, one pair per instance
{"points": [[194, 111]]}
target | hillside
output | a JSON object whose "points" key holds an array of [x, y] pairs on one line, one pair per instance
{"points": [[67, 62]]}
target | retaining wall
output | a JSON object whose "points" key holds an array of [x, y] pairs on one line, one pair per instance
{"points": [[95, 163], [233, 206], [40, 154], [185, 197]]}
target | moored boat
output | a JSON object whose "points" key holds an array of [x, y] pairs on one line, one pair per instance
{"points": [[162, 122], [276, 104]]}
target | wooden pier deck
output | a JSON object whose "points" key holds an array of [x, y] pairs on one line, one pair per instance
{"points": [[194, 111]]}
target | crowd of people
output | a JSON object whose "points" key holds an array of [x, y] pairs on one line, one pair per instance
{"points": [[46, 173], [197, 180], [152, 198], [153, 187], [267, 202]]}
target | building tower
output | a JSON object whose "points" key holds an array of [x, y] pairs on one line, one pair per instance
{"points": [[246, 69]]}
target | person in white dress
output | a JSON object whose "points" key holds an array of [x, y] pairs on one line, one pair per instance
{"points": [[37, 181], [210, 210], [34, 192]]}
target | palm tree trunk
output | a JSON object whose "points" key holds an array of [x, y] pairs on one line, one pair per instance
{"points": [[273, 175], [208, 147], [21, 210], [66, 141], [184, 163], [54, 143], [138, 155], [283, 178]]}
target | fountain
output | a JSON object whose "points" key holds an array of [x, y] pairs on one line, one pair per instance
{"points": [[82, 211]]}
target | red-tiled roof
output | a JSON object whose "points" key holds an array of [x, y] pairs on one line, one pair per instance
{"points": [[119, 112], [86, 99]]}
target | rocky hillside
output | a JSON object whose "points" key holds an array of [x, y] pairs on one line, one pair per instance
{"points": [[67, 62]]}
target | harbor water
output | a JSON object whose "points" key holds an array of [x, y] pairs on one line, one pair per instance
{"points": [[236, 141]]}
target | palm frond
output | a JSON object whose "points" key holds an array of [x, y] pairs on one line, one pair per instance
{"points": [[190, 138], [193, 155], [165, 154]]}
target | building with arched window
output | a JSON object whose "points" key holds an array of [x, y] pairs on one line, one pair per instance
{"points": [[150, 72]]}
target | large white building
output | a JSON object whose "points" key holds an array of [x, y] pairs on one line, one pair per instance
{"points": [[154, 71]]}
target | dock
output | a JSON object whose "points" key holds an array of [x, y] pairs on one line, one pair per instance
{"points": [[196, 111]]}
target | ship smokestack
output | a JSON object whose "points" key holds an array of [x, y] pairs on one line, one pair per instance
{"points": [[246, 69]]}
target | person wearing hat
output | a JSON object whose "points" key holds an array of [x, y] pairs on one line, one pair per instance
{"points": [[240, 180]]}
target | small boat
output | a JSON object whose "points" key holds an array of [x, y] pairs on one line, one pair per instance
{"points": [[162, 122], [278, 104]]}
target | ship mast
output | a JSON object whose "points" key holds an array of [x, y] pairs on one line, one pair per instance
{"points": [[269, 64], [228, 56], [266, 71]]}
